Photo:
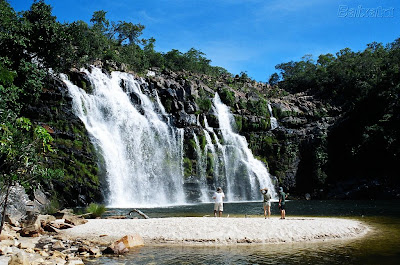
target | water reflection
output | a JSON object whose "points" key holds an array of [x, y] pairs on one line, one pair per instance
{"points": [[381, 246]]}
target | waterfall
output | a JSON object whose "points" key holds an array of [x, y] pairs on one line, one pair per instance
{"points": [[245, 175], [142, 153], [200, 169], [218, 157], [273, 120]]}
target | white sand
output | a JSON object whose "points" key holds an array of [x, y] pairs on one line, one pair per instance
{"points": [[210, 230]]}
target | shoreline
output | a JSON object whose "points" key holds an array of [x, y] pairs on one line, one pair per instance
{"points": [[217, 231]]}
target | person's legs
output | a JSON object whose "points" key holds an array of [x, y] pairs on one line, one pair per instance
{"points": [[215, 213], [269, 211], [283, 212], [220, 213], [265, 211]]}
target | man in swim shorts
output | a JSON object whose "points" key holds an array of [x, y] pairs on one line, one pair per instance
{"points": [[267, 202], [219, 202]]}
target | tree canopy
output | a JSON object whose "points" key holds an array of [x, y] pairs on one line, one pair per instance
{"points": [[365, 85]]}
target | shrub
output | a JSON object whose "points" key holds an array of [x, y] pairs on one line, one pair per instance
{"points": [[228, 97], [52, 207], [96, 210], [204, 104]]}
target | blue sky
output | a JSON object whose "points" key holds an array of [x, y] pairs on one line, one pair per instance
{"points": [[247, 35]]}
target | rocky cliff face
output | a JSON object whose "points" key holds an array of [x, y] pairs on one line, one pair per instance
{"points": [[296, 152], [74, 154]]}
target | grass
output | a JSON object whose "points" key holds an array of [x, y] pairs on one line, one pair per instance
{"points": [[96, 210]]}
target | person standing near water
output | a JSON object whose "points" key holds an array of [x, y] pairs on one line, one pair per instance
{"points": [[267, 202], [219, 202], [282, 198]]}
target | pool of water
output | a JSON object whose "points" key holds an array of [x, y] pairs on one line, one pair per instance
{"points": [[380, 246]]}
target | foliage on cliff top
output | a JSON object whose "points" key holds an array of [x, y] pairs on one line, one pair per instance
{"points": [[366, 86], [36, 35]]}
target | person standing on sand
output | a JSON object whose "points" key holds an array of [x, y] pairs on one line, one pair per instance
{"points": [[282, 198], [219, 202], [267, 202]]}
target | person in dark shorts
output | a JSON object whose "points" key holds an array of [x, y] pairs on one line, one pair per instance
{"points": [[282, 199]]}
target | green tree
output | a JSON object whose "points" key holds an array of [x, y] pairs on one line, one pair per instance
{"points": [[127, 31], [22, 144], [154, 58], [48, 43], [273, 79], [100, 23]]}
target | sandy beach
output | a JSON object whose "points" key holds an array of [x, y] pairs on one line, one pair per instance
{"points": [[210, 230]]}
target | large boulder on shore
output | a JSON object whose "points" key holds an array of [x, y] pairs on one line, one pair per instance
{"points": [[19, 204], [124, 244], [31, 226], [75, 220]]}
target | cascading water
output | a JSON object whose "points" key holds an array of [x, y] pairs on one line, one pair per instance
{"points": [[244, 174], [142, 153], [200, 169], [273, 120], [217, 154]]}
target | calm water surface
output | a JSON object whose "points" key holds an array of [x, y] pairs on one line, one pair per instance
{"points": [[381, 246]]}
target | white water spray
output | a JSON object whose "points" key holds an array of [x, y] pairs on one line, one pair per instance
{"points": [[142, 153], [273, 120], [245, 175], [200, 169]]}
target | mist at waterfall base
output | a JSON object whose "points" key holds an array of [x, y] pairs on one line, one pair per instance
{"points": [[141, 150]]}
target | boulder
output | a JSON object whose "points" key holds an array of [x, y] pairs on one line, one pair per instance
{"points": [[27, 244], [64, 213], [31, 231], [13, 219], [31, 226], [52, 227], [124, 244], [58, 261], [65, 226], [75, 261], [46, 219], [4, 250], [75, 220], [16, 204], [7, 242], [40, 201], [94, 251], [58, 245], [5, 236], [191, 89], [19, 258]]}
